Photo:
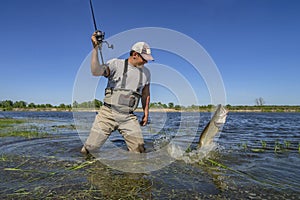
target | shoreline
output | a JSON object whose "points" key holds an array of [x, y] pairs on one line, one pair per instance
{"points": [[274, 109]]}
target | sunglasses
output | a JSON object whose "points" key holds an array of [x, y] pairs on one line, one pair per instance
{"points": [[142, 57]]}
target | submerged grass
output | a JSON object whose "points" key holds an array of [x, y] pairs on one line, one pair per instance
{"points": [[3, 158], [265, 181], [7, 122], [10, 127], [21, 133], [19, 192], [82, 165]]}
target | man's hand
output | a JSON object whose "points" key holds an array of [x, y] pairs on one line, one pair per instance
{"points": [[94, 40], [144, 121]]}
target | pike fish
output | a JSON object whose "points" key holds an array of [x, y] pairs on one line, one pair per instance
{"points": [[213, 127]]}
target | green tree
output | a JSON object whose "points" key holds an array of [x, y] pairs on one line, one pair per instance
{"points": [[97, 103], [19, 104], [177, 107], [49, 105], [41, 106], [75, 104], [209, 106], [164, 106], [31, 105], [171, 105], [62, 105], [7, 104], [87, 104], [228, 106], [152, 105]]}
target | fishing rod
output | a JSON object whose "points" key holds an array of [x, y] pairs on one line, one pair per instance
{"points": [[99, 34]]}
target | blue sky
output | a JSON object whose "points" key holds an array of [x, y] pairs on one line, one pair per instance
{"points": [[254, 43]]}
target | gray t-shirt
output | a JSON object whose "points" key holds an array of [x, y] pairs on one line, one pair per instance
{"points": [[136, 79]]}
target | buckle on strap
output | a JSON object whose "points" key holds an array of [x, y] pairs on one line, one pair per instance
{"points": [[108, 91], [107, 105]]}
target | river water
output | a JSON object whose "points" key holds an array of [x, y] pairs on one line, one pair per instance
{"points": [[255, 156]]}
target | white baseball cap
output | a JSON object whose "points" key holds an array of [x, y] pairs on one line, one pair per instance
{"points": [[144, 49]]}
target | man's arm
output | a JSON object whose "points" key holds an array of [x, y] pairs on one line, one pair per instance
{"points": [[96, 68], [145, 104]]}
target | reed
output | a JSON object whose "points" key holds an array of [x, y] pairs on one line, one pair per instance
{"points": [[276, 147]]}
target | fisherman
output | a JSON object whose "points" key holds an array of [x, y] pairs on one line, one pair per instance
{"points": [[128, 82]]}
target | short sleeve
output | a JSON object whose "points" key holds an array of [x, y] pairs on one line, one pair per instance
{"points": [[148, 75], [112, 66]]}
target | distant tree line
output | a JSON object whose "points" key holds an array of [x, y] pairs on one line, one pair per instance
{"points": [[162, 105], [264, 108], [11, 105], [96, 104], [88, 104]]}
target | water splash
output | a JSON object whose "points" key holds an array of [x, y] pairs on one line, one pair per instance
{"points": [[193, 156]]}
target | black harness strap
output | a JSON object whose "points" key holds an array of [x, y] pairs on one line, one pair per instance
{"points": [[140, 81], [123, 84]]}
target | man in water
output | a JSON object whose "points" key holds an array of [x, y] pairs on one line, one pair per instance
{"points": [[128, 82]]}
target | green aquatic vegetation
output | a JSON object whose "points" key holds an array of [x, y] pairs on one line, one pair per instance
{"points": [[265, 181], [263, 144], [7, 122], [258, 150], [12, 169], [82, 165], [220, 165], [14, 128], [277, 147], [3, 158], [26, 134], [287, 144], [42, 174], [245, 146], [28, 170], [69, 126], [21, 191], [188, 150], [125, 185], [18, 168]]}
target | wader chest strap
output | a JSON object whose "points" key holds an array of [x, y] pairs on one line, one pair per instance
{"points": [[123, 84], [140, 81]]}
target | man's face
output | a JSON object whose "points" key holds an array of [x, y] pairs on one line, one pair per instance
{"points": [[140, 61]]}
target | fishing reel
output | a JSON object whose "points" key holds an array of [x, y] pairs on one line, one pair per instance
{"points": [[100, 38]]}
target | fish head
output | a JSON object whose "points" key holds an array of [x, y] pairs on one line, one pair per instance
{"points": [[220, 117]]}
